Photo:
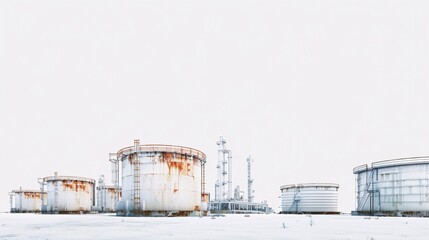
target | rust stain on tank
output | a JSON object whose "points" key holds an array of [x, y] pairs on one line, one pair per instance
{"points": [[31, 195], [74, 185], [175, 165], [173, 161], [131, 157], [197, 208], [167, 157]]}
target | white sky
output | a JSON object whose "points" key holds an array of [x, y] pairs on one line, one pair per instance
{"points": [[311, 89]]}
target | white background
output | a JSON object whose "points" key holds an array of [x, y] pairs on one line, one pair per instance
{"points": [[311, 89]]}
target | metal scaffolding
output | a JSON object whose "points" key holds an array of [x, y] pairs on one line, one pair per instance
{"points": [[224, 172]]}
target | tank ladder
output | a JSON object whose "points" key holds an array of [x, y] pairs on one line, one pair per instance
{"points": [[56, 207], [367, 191], [203, 178], [136, 165], [295, 201]]}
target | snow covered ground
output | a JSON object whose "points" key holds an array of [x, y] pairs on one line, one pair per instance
{"points": [[274, 226]]}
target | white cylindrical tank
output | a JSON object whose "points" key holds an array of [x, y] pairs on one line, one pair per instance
{"points": [[393, 187], [106, 198], [66, 194], [316, 198], [26, 201], [161, 180]]}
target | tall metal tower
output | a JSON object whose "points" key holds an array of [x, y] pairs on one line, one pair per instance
{"points": [[224, 172], [113, 158], [250, 190]]}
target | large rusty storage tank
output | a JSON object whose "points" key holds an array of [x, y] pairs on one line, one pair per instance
{"points": [[67, 194], [314, 198], [26, 201], [397, 187], [162, 180]]}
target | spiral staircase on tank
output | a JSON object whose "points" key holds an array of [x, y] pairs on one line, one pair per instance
{"points": [[367, 192], [295, 202]]}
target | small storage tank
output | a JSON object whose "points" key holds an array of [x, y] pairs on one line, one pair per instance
{"points": [[67, 194], [162, 180], [311, 198], [26, 201], [106, 196], [397, 187]]}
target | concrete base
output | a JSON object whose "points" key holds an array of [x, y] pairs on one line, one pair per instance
{"points": [[392, 213], [170, 213], [314, 213]]}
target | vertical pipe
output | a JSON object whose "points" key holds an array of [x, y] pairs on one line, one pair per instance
{"points": [[93, 194], [20, 199], [113, 158], [356, 191], [40, 181], [11, 201], [229, 175]]}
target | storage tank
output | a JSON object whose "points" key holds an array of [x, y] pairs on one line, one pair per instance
{"points": [[312, 198], [162, 180], [106, 196], [67, 194], [397, 187], [26, 201]]}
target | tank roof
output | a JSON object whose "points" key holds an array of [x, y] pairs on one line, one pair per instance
{"points": [[25, 191], [163, 148], [303, 185], [392, 163], [68, 178]]}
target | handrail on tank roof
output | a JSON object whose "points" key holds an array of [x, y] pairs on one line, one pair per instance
{"points": [[360, 168], [69, 178], [300, 185], [164, 148], [392, 163], [26, 190]]}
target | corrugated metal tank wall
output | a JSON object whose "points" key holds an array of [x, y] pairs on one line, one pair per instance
{"points": [[169, 180], [26, 201], [106, 198], [310, 198], [393, 185], [69, 194]]}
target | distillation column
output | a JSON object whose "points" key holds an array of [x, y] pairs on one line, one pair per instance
{"points": [[250, 190], [223, 186]]}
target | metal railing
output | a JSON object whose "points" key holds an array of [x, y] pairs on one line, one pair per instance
{"points": [[163, 148], [391, 163]]}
